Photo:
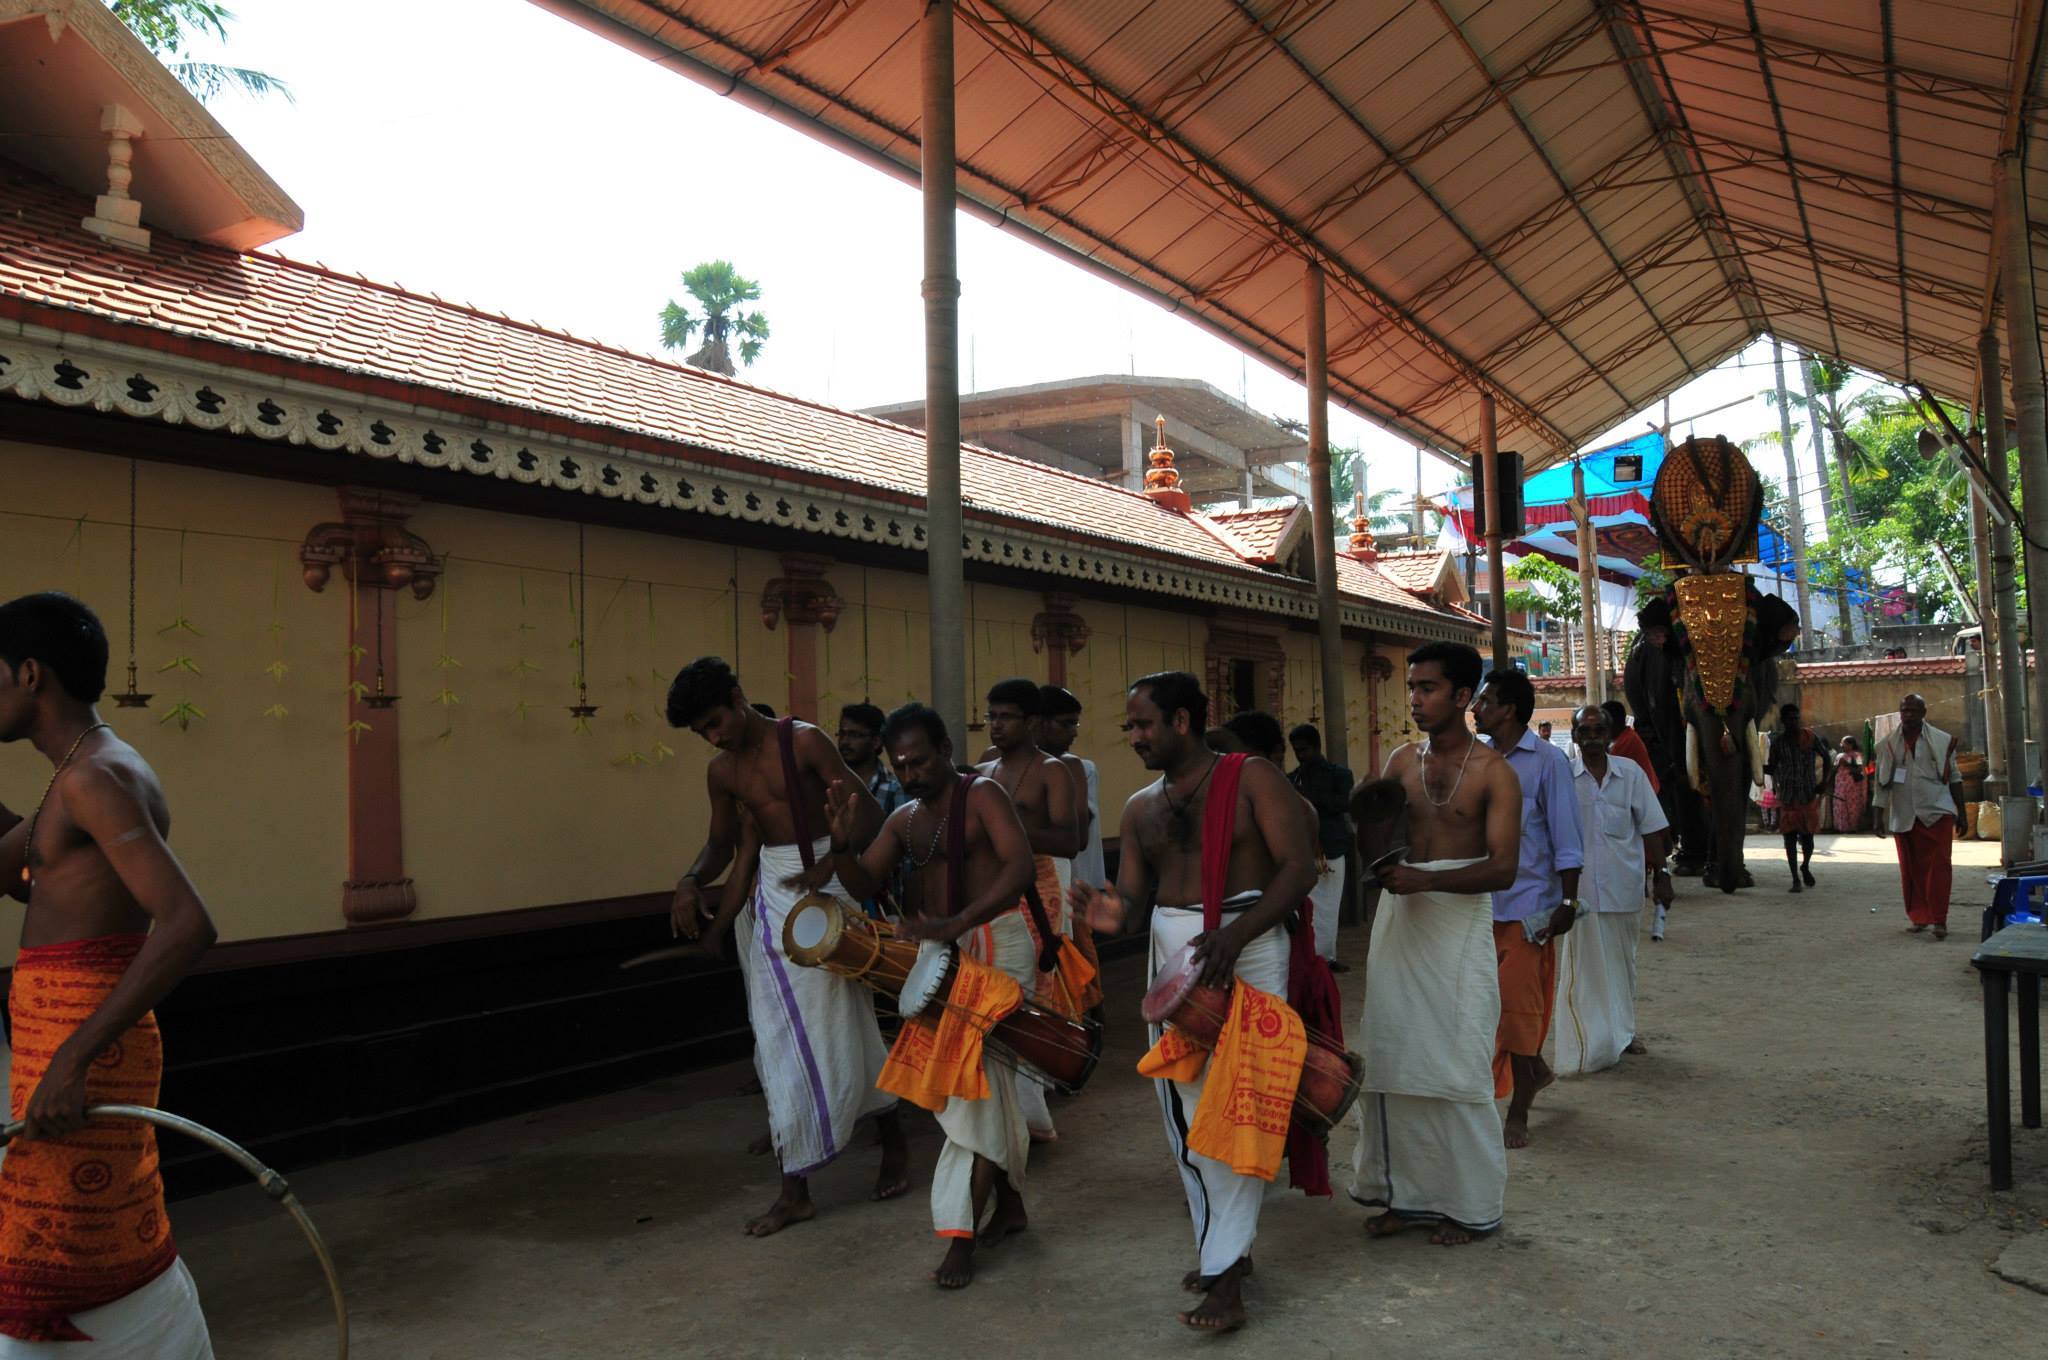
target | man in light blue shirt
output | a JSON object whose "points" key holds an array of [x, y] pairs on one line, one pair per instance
{"points": [[1541, 905]]}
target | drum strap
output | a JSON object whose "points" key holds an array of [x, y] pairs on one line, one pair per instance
{"points": [[793, 790], [1219, 829], [956, 877]]}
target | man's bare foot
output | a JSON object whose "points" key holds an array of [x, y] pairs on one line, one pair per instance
{"points": [[1389, 1223], [1008, 1219], [1045, 1135], [894, 1177], [1636, 1047], [1515, 1132], [1941, 932], [1449, 1234], [761, 1146], [1195, 1282], [1915, 929], [1223, 1309], [786, 1210], [956, 1268]]}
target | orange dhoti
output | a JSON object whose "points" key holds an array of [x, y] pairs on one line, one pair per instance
{"points": [[1528, 992], [81, 1218]]}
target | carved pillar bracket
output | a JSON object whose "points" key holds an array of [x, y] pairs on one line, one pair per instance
{"points": [[374, 552], [1058, 632], [803, 595]]}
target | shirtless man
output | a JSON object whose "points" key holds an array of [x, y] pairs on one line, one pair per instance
{"points": [[1043, 792], [1271, 868], [1258, 733], [983, 914], [1431, 1149], [817, 1047], [112, 925]]}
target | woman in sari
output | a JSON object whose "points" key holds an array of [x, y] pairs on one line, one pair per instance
{"points": [[1851, 789]]}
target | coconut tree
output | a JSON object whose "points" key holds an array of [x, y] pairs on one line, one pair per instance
{"points": [[718, 290], [166, 28]]}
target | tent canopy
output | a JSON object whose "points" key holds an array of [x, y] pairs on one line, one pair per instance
{"points": [[1575, 207]]}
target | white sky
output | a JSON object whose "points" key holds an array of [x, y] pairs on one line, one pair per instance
{"points": [[493, 154]]}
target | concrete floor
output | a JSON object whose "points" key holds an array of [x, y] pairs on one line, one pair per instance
{"points": [[1797, 1169]]}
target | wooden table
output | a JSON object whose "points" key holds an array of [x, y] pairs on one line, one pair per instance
{"points": [[2014, 954]]}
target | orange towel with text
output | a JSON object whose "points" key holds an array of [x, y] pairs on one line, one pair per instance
{"points": [[1068, 988], [1248, 1095], [81, 1218], [936, 1059]]}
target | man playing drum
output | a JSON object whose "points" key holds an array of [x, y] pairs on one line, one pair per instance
{"points": [[1430, 1147], [1269, 868], [817, 1047], [1050, 807], [968, 863]]}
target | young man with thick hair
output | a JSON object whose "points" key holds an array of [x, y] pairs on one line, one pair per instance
{"points": [[818, 1048], [1430, 1149], [112, 925]]}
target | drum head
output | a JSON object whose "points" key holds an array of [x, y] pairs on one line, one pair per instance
{"points": [[1176, 979], [926, 975], [811, 930]]}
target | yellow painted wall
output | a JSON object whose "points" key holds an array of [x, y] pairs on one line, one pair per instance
{"points": [[257, 802], [507, 803]]}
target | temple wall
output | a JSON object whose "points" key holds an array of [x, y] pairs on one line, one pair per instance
{"points": [[258, 802]]}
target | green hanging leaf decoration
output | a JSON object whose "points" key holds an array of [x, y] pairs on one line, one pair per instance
{"points": [[180, 624], [356, 729], [184, 713], [523, 667], [447, 698], [662, 752], [276, 711], [180, 663], [278, 670], [630, 760], [581, 725], [356, 690], [355, 652], [521, 709]]}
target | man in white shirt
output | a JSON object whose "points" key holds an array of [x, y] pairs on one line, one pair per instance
{"points": [[1916, 797], [1624, 831]]}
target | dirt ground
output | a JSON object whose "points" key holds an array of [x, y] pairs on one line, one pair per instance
{"points": [[1796, 1169]]}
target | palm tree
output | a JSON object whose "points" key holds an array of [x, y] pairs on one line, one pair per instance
{"points": [[718, 290], [165, 26]]}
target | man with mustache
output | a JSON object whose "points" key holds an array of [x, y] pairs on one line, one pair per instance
{"points": [[1258, 836], [965, 861], [817, 1046]]}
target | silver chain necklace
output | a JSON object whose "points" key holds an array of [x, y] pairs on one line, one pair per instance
{"points": [[932, 850], [1427, 747]]}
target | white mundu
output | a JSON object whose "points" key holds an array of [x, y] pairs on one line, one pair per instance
{"points": [[1223, 1204], [992, 1127], [160, 1321], [817, 1047], [1430, 1143], [1596, 960]]}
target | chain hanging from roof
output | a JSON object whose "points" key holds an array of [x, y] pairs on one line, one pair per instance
{"points": [[131, 697]]}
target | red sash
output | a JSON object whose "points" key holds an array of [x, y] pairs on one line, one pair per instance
{"points": [[1311, 991]]}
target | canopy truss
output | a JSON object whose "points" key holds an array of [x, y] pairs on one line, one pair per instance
{"points": [[1572, 205]]}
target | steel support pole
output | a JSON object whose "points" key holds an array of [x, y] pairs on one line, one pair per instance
{"points": [[945, 561], [1496, 577], [1589, 587], [1795, 503], [2030, 412], [1987, 622], [2012, 665], [1329, 619]]}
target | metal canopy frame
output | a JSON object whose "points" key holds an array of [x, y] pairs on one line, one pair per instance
{"points": [[1568, 206]]}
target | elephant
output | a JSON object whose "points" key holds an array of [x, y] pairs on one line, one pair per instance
{"points": [[1725, 746]]}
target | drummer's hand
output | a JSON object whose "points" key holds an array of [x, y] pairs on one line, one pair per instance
{"points": [[686, 908], [942, 929], [1100, 905], [1403, 879], [1216, 954], [57, 1105], [842, 812], [811, 879]]}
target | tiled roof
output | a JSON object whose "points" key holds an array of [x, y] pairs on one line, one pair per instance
{"points": [[1416, 571], [328, 321], [1262, 532], [1892, 668]]}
